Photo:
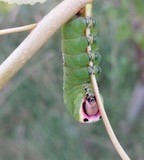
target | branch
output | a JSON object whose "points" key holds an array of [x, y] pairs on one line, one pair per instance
{"points": [[39, 35], [27, 72], [107, 124], [105, 119], [17, 29]]}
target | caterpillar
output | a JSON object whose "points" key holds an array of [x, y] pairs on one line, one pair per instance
{"points": [[78, 92]]}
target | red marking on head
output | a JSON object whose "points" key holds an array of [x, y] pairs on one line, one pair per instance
{"points": [[89, 114], [90, 108]]}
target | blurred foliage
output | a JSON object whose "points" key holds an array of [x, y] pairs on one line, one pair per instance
{"points": [[34, 124]]}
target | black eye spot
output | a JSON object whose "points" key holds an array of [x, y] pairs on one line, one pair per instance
{"points": [[91, 99], [100, 117], [85, 120]]}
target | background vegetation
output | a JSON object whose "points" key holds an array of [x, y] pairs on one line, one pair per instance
{"points": [[34, 124]]}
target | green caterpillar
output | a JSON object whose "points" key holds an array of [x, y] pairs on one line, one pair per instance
{"points": [[78, 93]]}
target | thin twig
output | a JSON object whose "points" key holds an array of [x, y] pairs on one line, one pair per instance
{"points": [[107, 124], [17, 29], [105, 119], [39, 35]]}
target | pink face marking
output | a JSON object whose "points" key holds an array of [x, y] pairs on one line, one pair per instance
{"points": [[89, 111], [90, 108]]}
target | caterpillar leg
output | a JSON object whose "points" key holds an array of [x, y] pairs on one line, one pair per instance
{"points": [[96, 70], [95, 57]]}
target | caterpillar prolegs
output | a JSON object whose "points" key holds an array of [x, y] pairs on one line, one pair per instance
{"points": [[78, 92]]}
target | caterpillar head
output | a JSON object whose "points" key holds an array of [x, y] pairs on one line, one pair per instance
{"points": [[89, 111]]}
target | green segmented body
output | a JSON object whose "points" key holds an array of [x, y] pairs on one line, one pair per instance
{"points": [[76, 63]]}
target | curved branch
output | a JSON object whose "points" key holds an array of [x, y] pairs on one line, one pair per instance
{"points": [[105, 119], [107, 124], [39, 35], [17, 29]]}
